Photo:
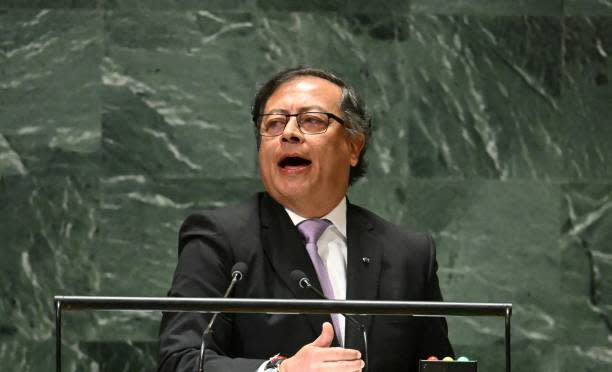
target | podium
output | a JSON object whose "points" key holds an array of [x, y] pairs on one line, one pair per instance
{"points": [[279, 306]]}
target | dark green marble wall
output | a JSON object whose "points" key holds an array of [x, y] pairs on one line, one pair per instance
{"points": [[493, 132]]}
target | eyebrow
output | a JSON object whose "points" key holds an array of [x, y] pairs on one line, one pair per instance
{"points": [[314, 108]]}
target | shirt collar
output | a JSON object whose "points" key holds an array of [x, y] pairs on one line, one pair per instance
{"points": [[337, 216]]}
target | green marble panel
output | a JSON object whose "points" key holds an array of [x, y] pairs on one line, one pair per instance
{"points": [[49, 90], [340, 6], [111, 340], [584, 359], [180, 4], [170, 75], [123, 356], [27, 355], [48, 228], [588, 7], [497, 242], [139, 222], [587, 97], [10, 162], [485, 98], [587, 272], [51, 4], [488, 7], [513, 122], [192, 103]]}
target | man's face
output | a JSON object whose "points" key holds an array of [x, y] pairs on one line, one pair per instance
{"points": [[308, 173]]}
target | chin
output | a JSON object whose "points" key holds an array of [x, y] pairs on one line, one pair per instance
{"points": [[292, 192], [288, 189]]}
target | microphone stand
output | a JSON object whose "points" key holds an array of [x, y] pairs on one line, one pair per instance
{"points": [[304, 282], [236, 277]]}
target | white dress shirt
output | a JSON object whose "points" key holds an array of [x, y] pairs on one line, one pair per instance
{"points": [[333, 252]]}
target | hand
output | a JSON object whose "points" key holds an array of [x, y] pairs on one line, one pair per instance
{"points": [[319, 356]]}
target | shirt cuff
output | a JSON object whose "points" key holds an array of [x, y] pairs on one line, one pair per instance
{"points": [[262, 367]]}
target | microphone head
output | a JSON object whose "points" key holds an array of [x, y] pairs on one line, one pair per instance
{"points": [[300, 278], [239, 270]]}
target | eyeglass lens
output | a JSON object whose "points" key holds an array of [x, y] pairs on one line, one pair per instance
{"points": [[308, 122]]}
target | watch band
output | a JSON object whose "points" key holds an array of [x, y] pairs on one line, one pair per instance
{"points": [[274, 363]]}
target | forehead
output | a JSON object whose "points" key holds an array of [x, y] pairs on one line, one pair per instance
{"points": [[303, 92]]}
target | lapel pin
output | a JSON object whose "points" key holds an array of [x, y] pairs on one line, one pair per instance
{"points": [[366, 260]]}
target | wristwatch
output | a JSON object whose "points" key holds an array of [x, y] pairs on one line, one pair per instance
{"points": [[274, 363]]}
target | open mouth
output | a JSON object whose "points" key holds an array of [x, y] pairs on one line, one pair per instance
{"points": [[293, 161]]}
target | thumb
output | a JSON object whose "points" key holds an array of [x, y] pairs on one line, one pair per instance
{"points": [[326, 336]]}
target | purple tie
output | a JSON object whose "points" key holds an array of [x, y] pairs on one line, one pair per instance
{"points": [[312, 230]]}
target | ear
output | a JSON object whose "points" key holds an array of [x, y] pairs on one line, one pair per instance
{"points": [[356, 143]]}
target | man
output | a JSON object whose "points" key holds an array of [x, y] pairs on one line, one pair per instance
{"points": [[312, 131]]}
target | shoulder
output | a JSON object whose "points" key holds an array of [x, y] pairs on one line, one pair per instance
{"points": [[398, 243], [404, 251], [229, 215], [228, 221], [382, 227]]}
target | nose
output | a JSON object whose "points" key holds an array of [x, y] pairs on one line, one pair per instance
{"points": [[292, 132]]}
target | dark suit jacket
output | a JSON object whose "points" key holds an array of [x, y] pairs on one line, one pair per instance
{"points": [[259, 232]]}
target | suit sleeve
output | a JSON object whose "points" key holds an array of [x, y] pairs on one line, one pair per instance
{"points": [[204, 262], [434, 329]]}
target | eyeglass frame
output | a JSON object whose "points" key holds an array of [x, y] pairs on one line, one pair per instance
{"points": [[289, 116]]}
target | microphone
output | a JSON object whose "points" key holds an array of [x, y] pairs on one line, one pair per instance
{"points": [[303, 282], [238, 271]]}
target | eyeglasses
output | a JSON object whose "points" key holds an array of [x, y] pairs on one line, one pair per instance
{"points": [[308, 122]]}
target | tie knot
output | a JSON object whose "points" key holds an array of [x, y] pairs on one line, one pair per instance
{"points": [[312, 229]]}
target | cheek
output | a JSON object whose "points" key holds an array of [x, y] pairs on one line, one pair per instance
{"points": [[264, 163], [268, 171], [338, 157], [264, 154]]}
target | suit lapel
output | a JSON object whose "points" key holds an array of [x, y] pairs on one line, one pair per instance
{"points": [[285, 249], [364, 262]]}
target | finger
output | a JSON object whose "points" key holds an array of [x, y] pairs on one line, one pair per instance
{"points": [[344, 366], [326, 336], [334, 354]]}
